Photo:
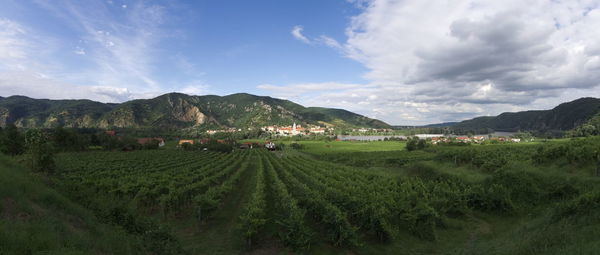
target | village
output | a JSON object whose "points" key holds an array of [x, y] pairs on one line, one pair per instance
{"points": [[209, 142]]}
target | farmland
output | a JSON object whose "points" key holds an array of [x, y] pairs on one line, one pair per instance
{"points": [[495, 199]]}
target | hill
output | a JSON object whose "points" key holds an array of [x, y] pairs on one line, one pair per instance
{"points": [[563, 117], [174, 110]]}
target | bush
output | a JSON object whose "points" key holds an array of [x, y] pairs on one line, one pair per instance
{"points": [[588, 203], [495, 198], [422, 219], [39, 151]]}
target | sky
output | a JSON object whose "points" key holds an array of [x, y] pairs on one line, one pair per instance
{"points": [[406, 62]]}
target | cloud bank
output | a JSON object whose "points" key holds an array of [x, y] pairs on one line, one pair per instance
{"points": [[449, 60]]}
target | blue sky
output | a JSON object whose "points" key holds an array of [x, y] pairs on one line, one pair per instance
{"points": [[405, 62], [228, 46]]}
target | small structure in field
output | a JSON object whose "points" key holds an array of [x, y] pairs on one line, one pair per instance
{"points": [[143, 141], [110, 132], [181, 142], [270, 146]]}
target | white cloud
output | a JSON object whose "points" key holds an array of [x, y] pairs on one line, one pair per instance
{"points": [[79, 51], [297, 33], [122, 49], [11, 40], [450, 60], [195, 88], [330, 42]]}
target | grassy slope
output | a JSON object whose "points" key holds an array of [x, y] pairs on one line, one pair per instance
{"points": [[37, 219], [563, 117]]}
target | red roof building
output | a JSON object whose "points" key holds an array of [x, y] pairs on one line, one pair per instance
{"points": [[142, 141]]}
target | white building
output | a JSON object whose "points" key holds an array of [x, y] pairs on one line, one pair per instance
{"points": [[425, 136]]}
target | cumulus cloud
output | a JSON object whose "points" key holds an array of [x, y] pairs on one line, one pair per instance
{"points": [[297, 33], [450, 60]]}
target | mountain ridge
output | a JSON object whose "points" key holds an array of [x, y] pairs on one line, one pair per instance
{"points": [[174, 110], [563, 117]]}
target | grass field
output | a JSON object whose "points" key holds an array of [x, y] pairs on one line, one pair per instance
{"points": [[319, 147]]}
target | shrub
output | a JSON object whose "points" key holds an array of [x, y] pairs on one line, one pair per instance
{"points": [[588, 203]]}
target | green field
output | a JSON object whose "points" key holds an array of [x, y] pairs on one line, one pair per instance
{"points": [[318, 147], [323, 198]]}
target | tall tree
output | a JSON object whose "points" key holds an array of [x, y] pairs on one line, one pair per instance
{"points": [[39, 151], [12, 141]]}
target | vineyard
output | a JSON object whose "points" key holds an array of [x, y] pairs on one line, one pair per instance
{"points": [[291, 200], [290, 191]]}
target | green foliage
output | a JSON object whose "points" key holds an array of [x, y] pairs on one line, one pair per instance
{"points": [[590, 128], [12, 141], [296, 146], [565, 116], [40, 152], [36, 219], [69, 140], [488, 158], [577, 152], [585, 204], [305, 202], [254, 216], [412, 144]]}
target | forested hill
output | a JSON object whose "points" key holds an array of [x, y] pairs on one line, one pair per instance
{"points": [[564, 117], [174, 110]]}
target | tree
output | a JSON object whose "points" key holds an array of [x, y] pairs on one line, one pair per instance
{"points": [[12, 141], [39, 151], [421, 144], [70, 140], [411, 144]]}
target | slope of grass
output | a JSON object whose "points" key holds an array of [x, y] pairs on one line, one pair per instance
{"points": [[36, 219]]}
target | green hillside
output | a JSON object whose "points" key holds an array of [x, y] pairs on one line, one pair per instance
{"points": [[564, 117], [174, 110]]}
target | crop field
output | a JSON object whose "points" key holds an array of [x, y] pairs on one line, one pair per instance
{"points": [[457, 200]]}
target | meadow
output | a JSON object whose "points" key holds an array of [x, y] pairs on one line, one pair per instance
{"points": [[342, 197], [329, 147]]}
